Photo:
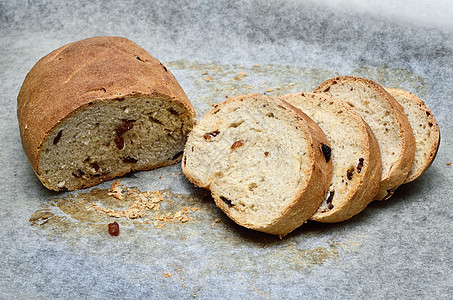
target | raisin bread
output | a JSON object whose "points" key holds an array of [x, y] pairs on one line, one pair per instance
{"points": [[265, 162], [98, 108], [357, 165], [426, 131], [387, 120]]}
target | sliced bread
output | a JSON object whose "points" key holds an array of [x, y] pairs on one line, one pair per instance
{"points": [[357, 165], [266, 163], [98, 108], [387, 120], [425, 127]]}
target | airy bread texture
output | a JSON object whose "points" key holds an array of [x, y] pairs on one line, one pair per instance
{"points": [[357, 165], [425, 127], [265, 162], [387, 120], [98, 108]]}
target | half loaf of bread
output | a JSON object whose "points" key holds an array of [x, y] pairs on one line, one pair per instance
{"points": [[425, 128], [387, 120], [98, 108], [357, 165], [268, 166]]}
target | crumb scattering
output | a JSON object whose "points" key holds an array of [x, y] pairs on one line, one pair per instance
{"points": [[144, 205]]}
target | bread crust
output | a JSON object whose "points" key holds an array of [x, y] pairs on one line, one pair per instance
{"points": [[401, 167], [310, 195], [80, 74], [418, 170], [366, 189]]}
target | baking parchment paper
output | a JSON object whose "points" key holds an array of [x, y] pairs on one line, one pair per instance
{"points": [[53, 247]]}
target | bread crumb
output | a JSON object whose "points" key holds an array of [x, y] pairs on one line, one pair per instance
{"points": [[269, 90], [141, 206], [166, 274], [116, 190], [207, 78], [217, 220], [158, 225], [239, 76], [448, 163]]}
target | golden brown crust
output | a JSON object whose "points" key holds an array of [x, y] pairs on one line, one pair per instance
{"points": [[82, 73], [435, 131], [404, 163]]}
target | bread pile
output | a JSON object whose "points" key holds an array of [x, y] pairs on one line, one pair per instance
{"points": [[263, 164], [101, 107]]}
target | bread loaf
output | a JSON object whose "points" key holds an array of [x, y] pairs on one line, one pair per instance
{"points": [[425, 128], [357, 165], [268, 166], [98, 108], [387, 120]]}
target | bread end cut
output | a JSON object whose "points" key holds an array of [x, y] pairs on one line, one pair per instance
{"points": [[98, 108]]}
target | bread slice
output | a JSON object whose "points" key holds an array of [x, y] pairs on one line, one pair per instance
{"points": [[387, 120], [425, 127], [98, 108], [265, 162], [357, 165]]}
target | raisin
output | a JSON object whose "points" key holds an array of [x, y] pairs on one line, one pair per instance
{"points": [[130, 160], [173, 112], [326, 151], [208, 136], [360, 165], [95, 166], [58, 137], [126, 126], [349, 174], [227, 201], [329, 200], [78, 174], [237, 144], [266, 153], [114, 228], [119, 141]]}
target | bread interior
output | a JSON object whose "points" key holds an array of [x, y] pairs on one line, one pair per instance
{"points": [[109, 138]]}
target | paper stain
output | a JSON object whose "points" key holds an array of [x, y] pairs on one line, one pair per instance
{"points": [[71, 218], [212, 83], [90, 212]]}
